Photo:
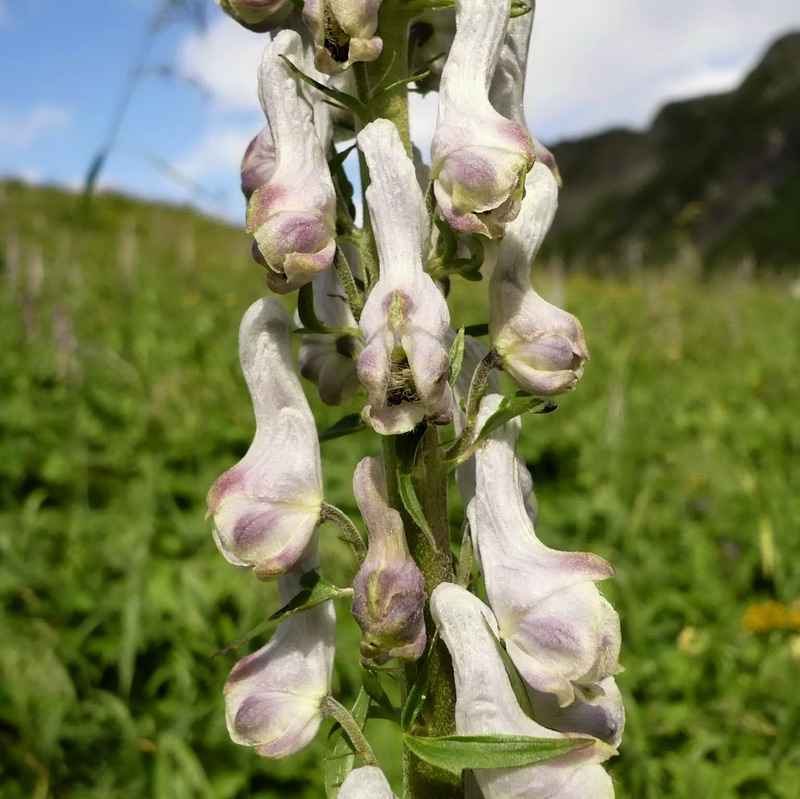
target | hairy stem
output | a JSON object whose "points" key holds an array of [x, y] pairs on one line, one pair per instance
{"points": [[332, 708], [351, 291]]}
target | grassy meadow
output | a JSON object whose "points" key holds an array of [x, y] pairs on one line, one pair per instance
{"points": [[678, 459]]}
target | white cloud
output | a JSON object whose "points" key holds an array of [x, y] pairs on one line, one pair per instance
{"points": [[224, 59], [598, 64], [21, 130]]}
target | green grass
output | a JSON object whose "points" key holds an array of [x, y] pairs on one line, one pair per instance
{"points": [[676, 459]]}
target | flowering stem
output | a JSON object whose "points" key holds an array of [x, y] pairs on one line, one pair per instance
{"points": [[348, 284], [332, 708], [330, 513]]}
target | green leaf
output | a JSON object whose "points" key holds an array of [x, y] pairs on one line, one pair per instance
{"points": [[519, 8], [314, 591], [419, 690], [306, 311], [447, 239], [335, 163], [456, 357], [510, 408], [518, 686], [338, 751], [351, 103], [406, 449], [376, 692], [456, 752], [346, 426]]}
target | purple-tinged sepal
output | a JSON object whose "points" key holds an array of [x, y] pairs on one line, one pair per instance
{"points": [[486, 705], [344, 31], [389, 598], [273, 697], [541, 346], [266, 508], [561, 633], [405, 321], [257, 15], [293, 215], [479, 157]]}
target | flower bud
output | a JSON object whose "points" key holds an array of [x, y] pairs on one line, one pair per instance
{"points": [[562, 635], [367, 782], [542, 347], [258, 163], [479, 158], [604, 719], [389, 597], [344, 32], [257, 15], [404, 365], [273, 697], [266, 508], [486, 705], [326, 359], [293, 215]]}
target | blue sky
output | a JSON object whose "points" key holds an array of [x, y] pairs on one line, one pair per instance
{"points": [[63, 63]]}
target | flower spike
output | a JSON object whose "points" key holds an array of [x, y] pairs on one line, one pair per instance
{"points": [[293, 215], [273, 697], [479, 158], [562, 635], [266, 508], [486, 705], [405, 320], [389, 597], [542, 347]]}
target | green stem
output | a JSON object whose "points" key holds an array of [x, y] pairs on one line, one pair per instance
{"points": [[348, 283]]}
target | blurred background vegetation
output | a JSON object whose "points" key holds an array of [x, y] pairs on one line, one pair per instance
{"points": [[678, 459]]}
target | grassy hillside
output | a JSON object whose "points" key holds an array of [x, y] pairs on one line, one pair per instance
{"points": [[720, 172], [121, 400]]}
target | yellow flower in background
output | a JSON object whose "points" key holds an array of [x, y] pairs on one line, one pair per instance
{"points": [[762, 617]]}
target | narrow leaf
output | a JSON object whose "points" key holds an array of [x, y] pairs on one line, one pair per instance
{"points": [[456, 357], [377, 693], [346, 426], [510, 408], [518, 686], [456, 752], [406, 449], [352, 104], [419, 690], [335, 163], [315, 591], [338, 752]]}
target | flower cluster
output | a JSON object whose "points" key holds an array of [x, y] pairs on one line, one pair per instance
{"points": [[536, 657]]}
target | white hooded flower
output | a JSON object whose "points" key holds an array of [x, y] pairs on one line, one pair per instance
{"points": [[367, 782], [479, 157], [542, 347], [344, 31], [404, 365], [329, 359], [293, 215], [563, 636], [486, 705], [258, 162], [266, 508], [273, 697]]}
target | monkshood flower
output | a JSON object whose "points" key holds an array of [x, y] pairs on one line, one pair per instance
{"points": [[405, 320], [486, 705], [562, 635], [293, 215], [389, 597], [344, 31], [605, 719], [257, 15], [258, 163], [329, 360], [542, 347], [273, 697], [479, 158], [367, 782], [266, 508]]}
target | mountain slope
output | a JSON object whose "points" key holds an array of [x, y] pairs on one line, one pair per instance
{"points": [[720, 172]]}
